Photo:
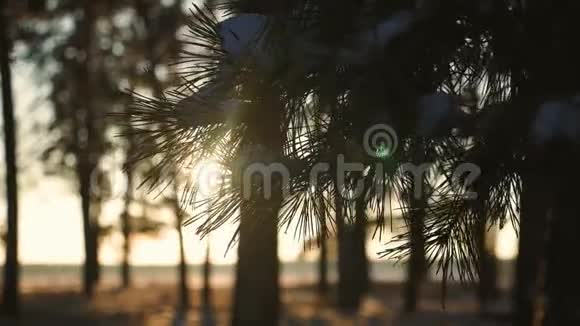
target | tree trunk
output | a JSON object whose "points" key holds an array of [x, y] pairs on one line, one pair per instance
{"points": [[323, 265], [96, 238], [126, 219], [485, 240], [347, 295], [360, 237], [126, 232], [206, 289], [84, 134], [257, 294], [323, 232], [532, 242], [11, 288], [416, 269], [352, 262], [90, 234], [126, 264], [323, 243], [487, 288], [361, 248], [562, 283], [416, 266], [257, 289], [183, 289]]}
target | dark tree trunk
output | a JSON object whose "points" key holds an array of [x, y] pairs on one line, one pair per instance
{"points": [[96, 240], [257, 289], [352, 260], [348, 298], [417, 266], [183, 289], [90, 268], [126, 232], [562, 282], [207, 316], [323, 232], [487, 268], [323, 265], [11, 284], [323, 243], [206, 289], [182, 270], [85, 148], [360, 237], [487, 287], [257, 293], [532, 242], [126, 220], [126, 264]]}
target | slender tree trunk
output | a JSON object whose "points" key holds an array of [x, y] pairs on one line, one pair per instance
{"points": [[360, 238], [532, 241], [207, 317], [348, 299], [416, 269], [90, 231], [126, 264], [323, 233], [323, 264], [96, 238], [84, 134], [323, 243], [89, 267], [126, 232], [487, 288], [206, 289], [416, 266], [183, 289], [11, 284], [126, 219], [562, 282]]}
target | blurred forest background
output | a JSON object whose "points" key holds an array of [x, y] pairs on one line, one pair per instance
{"points": [[66, 66]]}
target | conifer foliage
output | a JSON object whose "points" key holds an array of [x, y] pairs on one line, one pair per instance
{"points": [[483, 93]]}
